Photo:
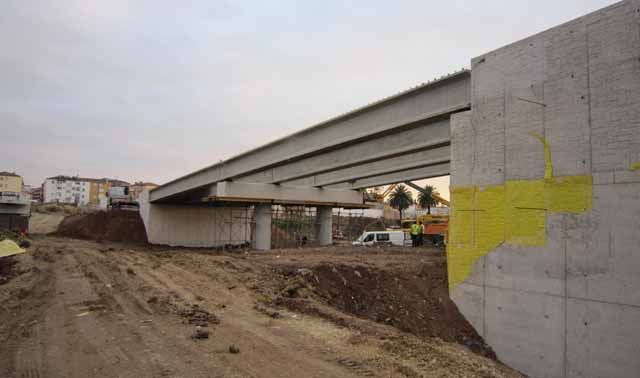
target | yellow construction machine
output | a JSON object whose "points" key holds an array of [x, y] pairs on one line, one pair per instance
{"points": [[436, 227]]}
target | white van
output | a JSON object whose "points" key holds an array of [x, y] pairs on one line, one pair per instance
{"points": [[381, 237]]}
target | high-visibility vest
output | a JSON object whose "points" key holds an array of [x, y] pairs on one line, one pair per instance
{"points": [[415, 229]]}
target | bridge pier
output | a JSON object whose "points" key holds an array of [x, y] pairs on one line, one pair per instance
{"points": [[324, 225], [262, 239]]}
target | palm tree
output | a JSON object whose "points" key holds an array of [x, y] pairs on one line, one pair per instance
{"points": [[400, 199], [426, 199]]}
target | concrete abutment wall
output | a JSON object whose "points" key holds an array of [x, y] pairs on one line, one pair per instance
{"points": [[544, 252], [195, 226], [208, 226]]}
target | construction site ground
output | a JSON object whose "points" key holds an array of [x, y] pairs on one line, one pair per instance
{"points": [[83, 308]]}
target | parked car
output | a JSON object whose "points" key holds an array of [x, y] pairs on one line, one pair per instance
{"points": [[370, 238]]}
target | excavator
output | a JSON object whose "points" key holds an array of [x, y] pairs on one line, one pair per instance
{"points": [[379, 197]]}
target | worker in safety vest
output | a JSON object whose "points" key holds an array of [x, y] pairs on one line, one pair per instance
{"points": [[420, 234], [415, 231]]}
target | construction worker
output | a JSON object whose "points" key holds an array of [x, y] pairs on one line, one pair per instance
{"points": [[415, 231], [420, 234]]}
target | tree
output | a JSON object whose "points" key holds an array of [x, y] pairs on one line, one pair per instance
{"points": [[400, 199], [426, 199]]}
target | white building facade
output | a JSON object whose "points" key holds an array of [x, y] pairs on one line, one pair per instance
{"points": [[64, 189]]}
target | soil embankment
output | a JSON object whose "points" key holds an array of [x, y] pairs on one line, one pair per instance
{"points": [[413, 300], [78, 308], [406, 289], [116, 225]]}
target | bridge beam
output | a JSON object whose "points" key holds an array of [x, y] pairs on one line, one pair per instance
{"points": [[395, 177], [406, 140], [253, 193], [420, 159], [433, 100]]}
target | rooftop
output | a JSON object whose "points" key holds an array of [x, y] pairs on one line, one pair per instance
{"points": [[78, 178], [141, 183], [12, 174]]}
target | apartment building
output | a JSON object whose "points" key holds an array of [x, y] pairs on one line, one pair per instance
{"points": [[15, 209], [10, 182], [78, 190], [67, 189], [139, 187], [37, 195], [100, 189]]}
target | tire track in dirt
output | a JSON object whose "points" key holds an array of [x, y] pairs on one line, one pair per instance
{"points": [[167, 281], [23, 300], [403, 366], [239, 322], [100, 320]]}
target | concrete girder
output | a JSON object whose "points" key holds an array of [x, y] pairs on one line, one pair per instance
{"points": [[396, 177], [404, 140], [228, 191], [448, 95], [420, 159]]}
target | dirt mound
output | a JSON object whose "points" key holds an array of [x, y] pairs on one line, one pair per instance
{"points": [[413, 300], [116, 225]]}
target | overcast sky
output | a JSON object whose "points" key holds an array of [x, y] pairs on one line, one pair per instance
{"points": [[151, 90]]}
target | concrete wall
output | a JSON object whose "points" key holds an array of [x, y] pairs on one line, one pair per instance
{"points": [[558, 297], [194, 226]]}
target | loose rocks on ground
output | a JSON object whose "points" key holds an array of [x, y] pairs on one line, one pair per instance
{"points": [[200, 334], [198, 316]]}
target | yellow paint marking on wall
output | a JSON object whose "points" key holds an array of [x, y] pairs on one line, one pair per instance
{"points": [[635, 166], [489, 227], [461, 251], [515, 213], [525, 208], [570, 194], [548, 164]]}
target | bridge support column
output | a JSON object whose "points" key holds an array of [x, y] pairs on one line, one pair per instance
{"points": [[324, 226], [262, 239]]}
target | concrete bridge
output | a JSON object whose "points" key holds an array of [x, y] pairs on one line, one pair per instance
{"points": [[403, 137], [542, 141]]}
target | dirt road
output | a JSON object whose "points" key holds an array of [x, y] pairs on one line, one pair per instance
{"points": [[77, 308]]}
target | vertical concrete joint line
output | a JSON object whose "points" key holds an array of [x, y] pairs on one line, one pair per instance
{"points": [[504, 132], [566, 296], [589, 94]]}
